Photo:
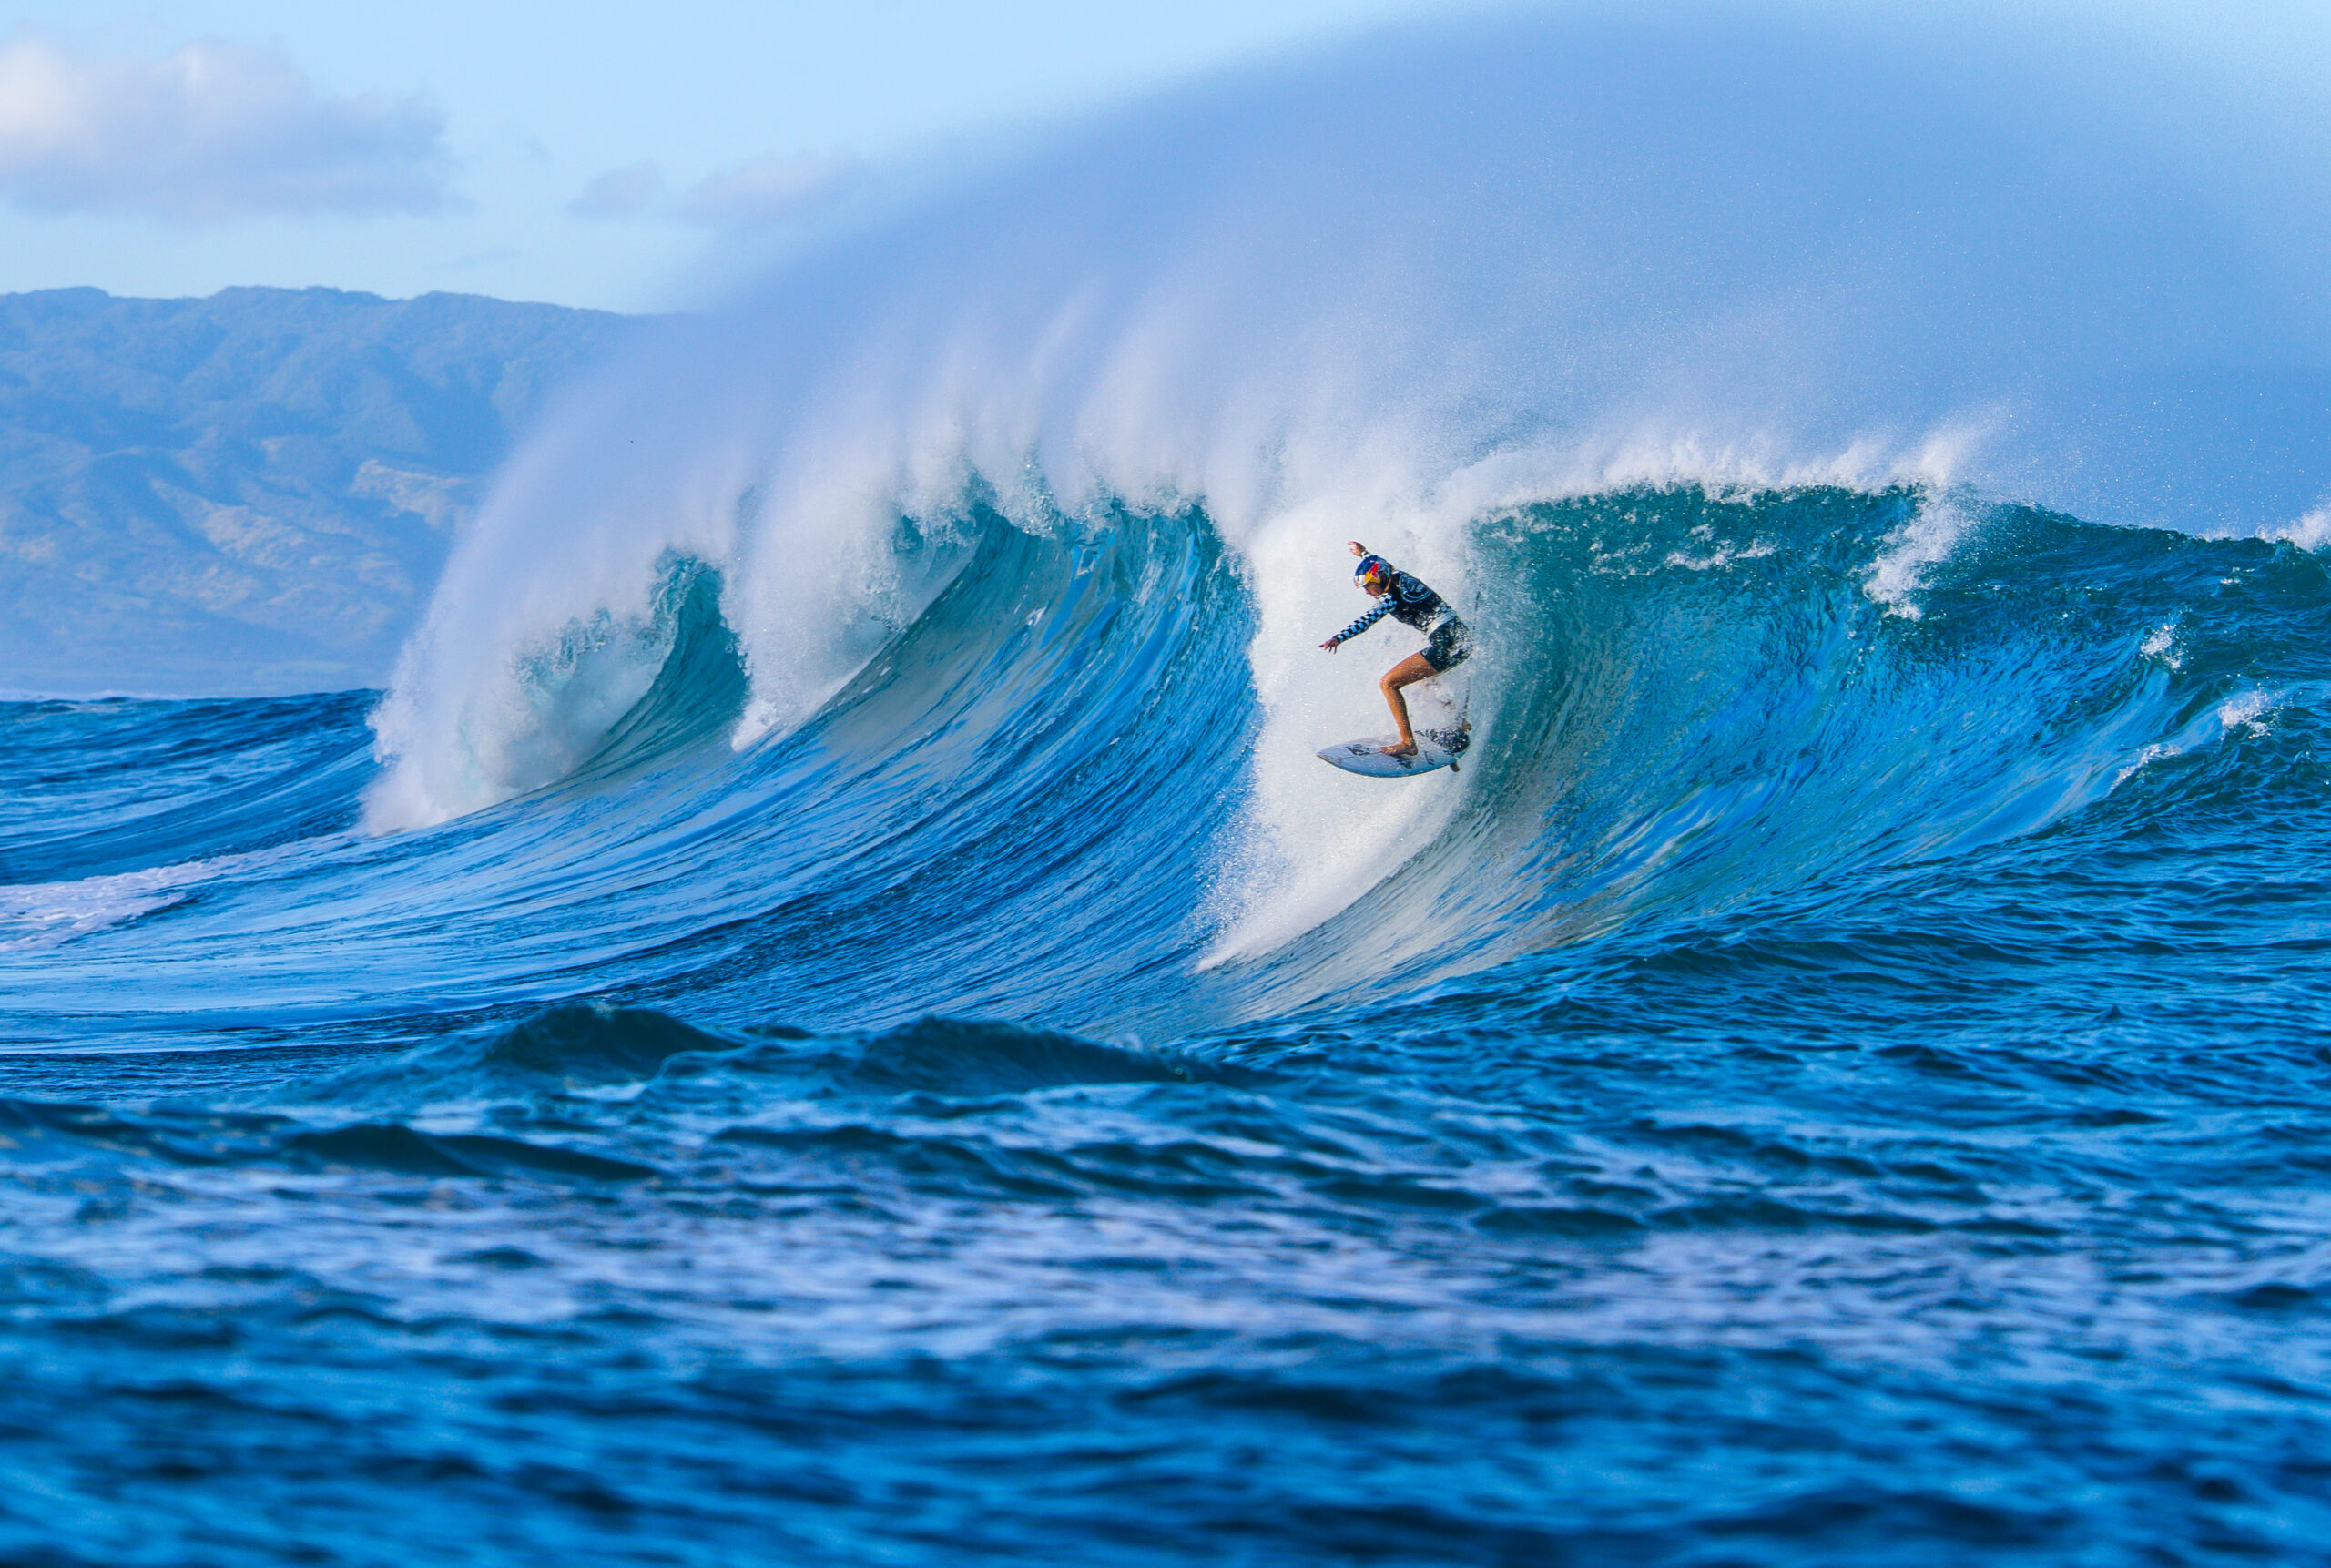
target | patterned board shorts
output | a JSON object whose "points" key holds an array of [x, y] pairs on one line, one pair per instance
{"points": [[1449, 646]]}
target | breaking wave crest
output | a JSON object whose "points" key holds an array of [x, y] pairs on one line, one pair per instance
{"points": [[1078, 785]]}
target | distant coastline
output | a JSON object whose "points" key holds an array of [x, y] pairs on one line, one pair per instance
{"points": [[252, 493]]}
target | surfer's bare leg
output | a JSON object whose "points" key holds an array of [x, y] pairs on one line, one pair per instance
{"points": [[1407, 672]]}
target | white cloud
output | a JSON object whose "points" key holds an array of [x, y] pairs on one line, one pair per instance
{"points": [[767, 189], [215, 131]]}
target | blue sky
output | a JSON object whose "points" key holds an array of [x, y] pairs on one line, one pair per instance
{"points": [[584, 152]]}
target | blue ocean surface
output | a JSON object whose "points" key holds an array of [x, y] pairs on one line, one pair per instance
{"points": [[1843, 1081], [826, 1012]]}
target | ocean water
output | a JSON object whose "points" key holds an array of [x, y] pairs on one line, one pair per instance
{"points": [[1836, 1085], [827, 1012]]}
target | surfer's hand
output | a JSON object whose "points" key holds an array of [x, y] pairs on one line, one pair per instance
{"points": [[1330, 643], [1358, 548]]}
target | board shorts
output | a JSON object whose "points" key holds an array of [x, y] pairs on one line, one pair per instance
{"points": [[1449, 646]]}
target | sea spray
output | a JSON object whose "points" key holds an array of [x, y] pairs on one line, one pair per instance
{"points": [[1554, 256]]}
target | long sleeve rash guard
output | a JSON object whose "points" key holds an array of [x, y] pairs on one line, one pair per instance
{"points": [[1409, 603]]}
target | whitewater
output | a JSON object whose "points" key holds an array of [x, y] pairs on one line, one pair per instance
{"points": [[830, 1012]]}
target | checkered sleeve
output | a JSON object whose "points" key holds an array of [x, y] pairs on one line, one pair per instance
{"points": [[1367, 619]]}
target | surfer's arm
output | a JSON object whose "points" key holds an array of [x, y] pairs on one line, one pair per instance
{"points": [[1368, 618]]}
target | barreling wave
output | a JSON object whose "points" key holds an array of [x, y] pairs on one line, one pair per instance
{"points": [[1392, 291], [934, 625], [1076, 789]]}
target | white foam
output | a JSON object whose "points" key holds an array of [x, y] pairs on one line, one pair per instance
{"points": [[1925, 540], [2248, 711], [1314, 837], [44, 914], [1720, 556], [2309, 531], [48, 914]]}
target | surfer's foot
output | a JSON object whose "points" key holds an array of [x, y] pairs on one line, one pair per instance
{"points": [[1403, 748]]}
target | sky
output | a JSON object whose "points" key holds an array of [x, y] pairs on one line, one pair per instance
{"points": [[582, 153]]}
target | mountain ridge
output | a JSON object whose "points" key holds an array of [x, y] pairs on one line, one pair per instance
{"points": [[252, 492]]}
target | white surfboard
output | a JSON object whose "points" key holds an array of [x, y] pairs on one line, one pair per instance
{"points": [[1435, 748]]}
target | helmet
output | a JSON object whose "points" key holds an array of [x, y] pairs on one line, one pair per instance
{"points": [[1372, 571]]}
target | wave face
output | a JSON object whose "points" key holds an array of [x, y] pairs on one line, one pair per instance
{"points": [[833, 1013]]}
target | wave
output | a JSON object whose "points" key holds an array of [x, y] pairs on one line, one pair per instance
{"points": [[1078, 791], [932, 628], [587, 1051], [49, 1131], [1073, 792], [1439, 274]]}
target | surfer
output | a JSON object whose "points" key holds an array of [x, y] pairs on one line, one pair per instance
{"points": [[1409, 602]]}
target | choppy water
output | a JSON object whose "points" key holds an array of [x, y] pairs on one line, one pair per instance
{"points": [[1838, 1077]]}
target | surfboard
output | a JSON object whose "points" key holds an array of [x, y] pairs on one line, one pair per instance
{"points": [[1435, 748]]}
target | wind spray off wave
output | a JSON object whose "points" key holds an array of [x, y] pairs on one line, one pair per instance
{"points": [[1390, 293]]}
